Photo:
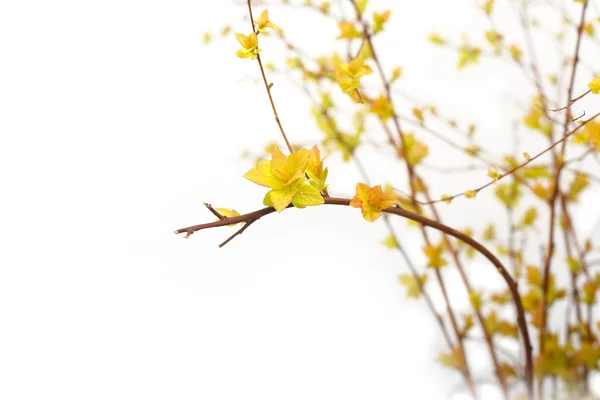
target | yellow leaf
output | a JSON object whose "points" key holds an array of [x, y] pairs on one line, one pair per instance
{"points": [[535, 172], [472, 150], [530, 216], [264, 176], [361, 5], [285, 175], [446, 198], [379, 20], [416, 149], [437, 39], [454, 359], [495, 39], [314, 168], [226, 30], [434, 255], [307, 195], [413, 289], [468, 324], [348, 75], [492, 173], [390, 242], [594, 85], [515, 53], [226, 212], [574, 264], [578, 185], [590, 135], [489, 233], [324, 7], [371, 200], [289, 168], [475, 299], [418, 113], [488, 6], [281, 198], [249, 46], [533, 276], [589, 292], [382, 107], [468, 55], [470, 194], [348, 31], [501, 297], [263, 22]]}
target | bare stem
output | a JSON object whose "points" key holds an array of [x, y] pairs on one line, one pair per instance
{"points": [[268, 85]]}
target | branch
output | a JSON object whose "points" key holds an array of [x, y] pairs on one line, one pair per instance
{"points": [[512, 170], [239, 232], [571, 102], [267, 85], [512, 285], [215, 212]]}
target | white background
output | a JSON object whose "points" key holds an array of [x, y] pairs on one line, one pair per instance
{"points": [[116, 124]]}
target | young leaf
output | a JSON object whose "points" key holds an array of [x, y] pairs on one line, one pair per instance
{"points": [[371, 200], [412, 285]]}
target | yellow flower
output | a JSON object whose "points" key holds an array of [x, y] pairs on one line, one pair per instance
{"points": [[249, 46]]}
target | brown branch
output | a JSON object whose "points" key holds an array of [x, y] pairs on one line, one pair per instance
{"points": [[486, 332], [514, 169], [267, 85], [512, 285], [238, 232], [558, 169], [571, 102], [362, 171], [412, 181], [215, 212]]}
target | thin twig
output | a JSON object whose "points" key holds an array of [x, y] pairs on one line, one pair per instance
{"points": [[267, 85], [215, 212], [571, 102], [512, 170], [238, 232]]}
